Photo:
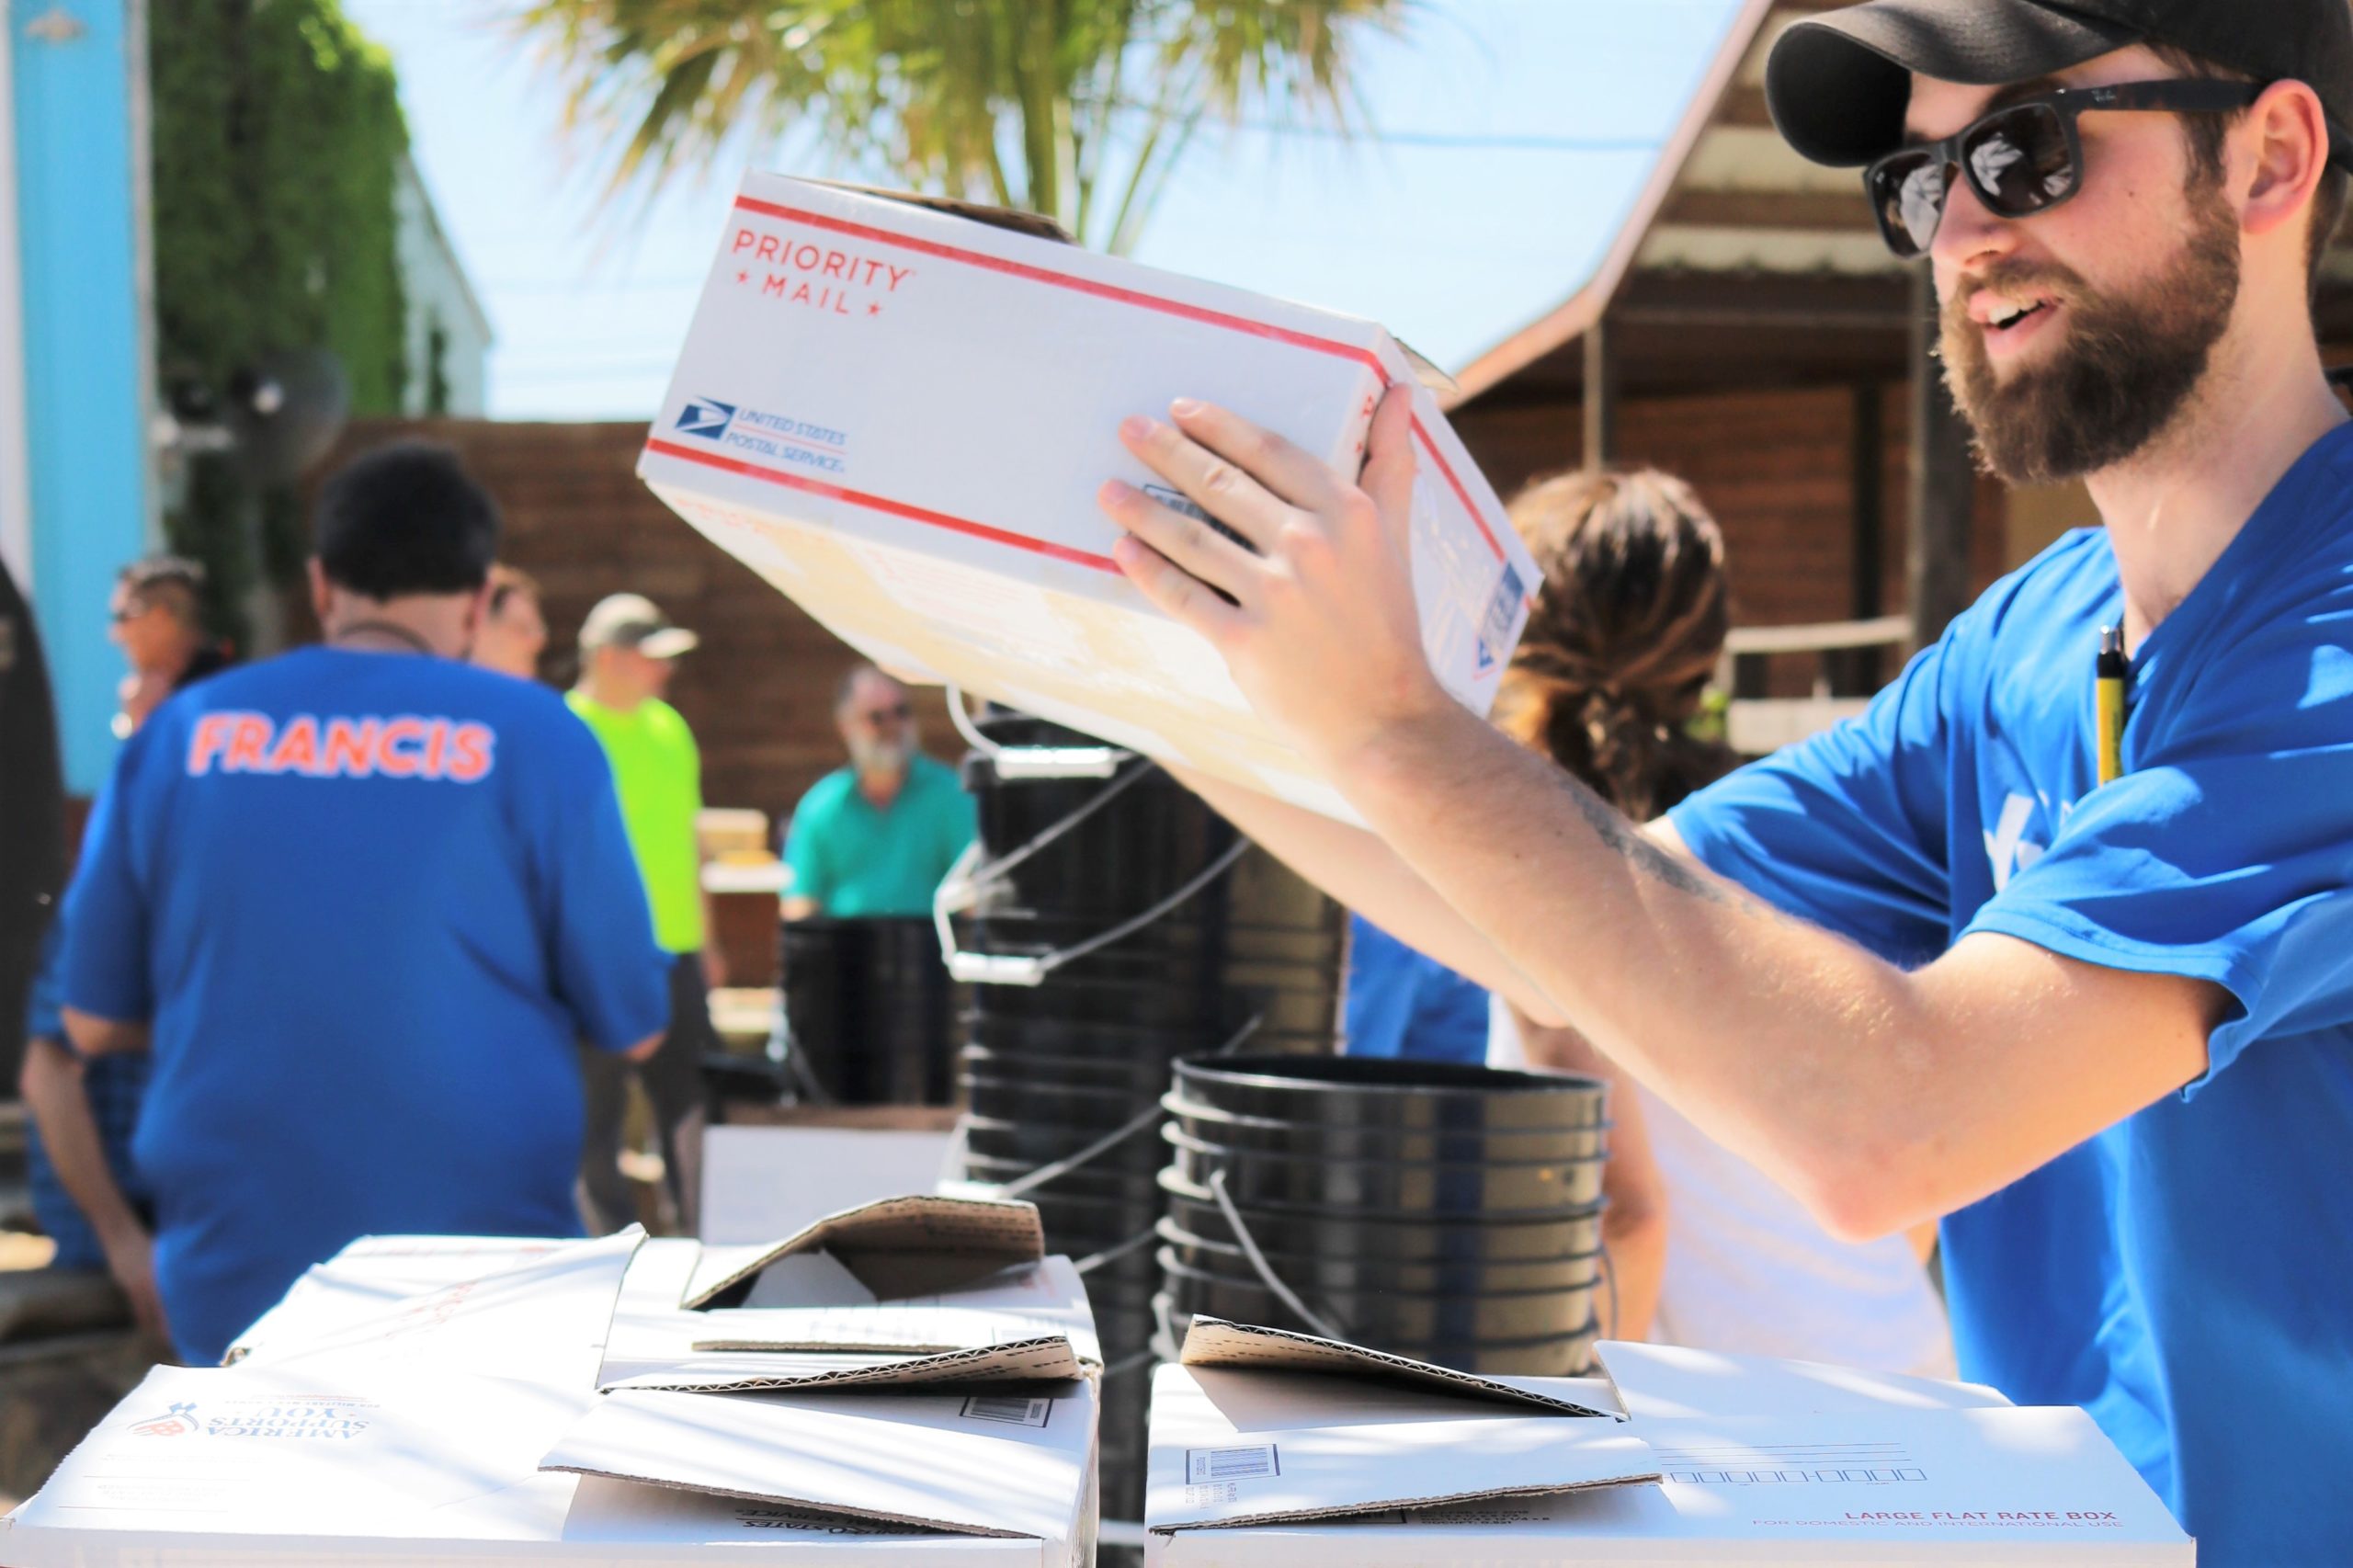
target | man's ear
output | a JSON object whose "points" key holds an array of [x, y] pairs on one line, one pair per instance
{"points": [[2286, 136], [322, 592]]}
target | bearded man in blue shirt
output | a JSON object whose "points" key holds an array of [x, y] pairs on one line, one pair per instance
{"points": [[1928, 964], [362, 901]]}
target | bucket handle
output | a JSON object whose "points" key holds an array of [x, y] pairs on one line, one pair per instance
{"points": [[1033, 762], [1258, 1263], [1023, 1185], [1031, 969]]}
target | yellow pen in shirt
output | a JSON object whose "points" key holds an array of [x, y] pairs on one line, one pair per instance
{"points": [[2109, 675]]}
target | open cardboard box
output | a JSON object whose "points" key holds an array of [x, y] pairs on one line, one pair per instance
{"points": [[907, 1291], [1273, 1450], [377, 1467], [898, 412], [369, 1421]]}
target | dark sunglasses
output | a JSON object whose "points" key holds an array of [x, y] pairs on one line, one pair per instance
{"points": [[898, 715], [2021, 160]]}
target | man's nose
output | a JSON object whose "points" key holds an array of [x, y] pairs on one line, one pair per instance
{"points": [[1970, 237]]}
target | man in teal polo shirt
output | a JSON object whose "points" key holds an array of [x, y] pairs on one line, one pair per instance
{"points": [[875, 837]]}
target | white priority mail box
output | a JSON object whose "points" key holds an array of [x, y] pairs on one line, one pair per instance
{"points": [[981, 1464], [530, 1311], [900, 416], [1262, 1427], [400, 1468], [1864, 1469]]}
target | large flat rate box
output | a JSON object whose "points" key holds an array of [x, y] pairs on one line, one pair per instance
{"points": [[1272, 1450], [899, 415]]}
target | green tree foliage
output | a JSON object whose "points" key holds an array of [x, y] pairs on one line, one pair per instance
{"points": [[1074, 109], [277, 141]]}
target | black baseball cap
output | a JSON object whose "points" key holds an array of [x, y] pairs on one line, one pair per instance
{"points": [[1839, 83]]}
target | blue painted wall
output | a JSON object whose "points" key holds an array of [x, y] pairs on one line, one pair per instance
{"points": [[84, 341]]}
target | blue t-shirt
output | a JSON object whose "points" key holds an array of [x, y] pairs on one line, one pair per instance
{"points": [[1403, 1003], [2187, 1274], [368, 902]]}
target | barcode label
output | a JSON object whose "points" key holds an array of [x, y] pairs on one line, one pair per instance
{"points": [[1206, 1466], [1008, 1410], [1503, 611]]}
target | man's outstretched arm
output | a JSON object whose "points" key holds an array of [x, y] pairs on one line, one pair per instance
{"points": [[1880, 1098]]}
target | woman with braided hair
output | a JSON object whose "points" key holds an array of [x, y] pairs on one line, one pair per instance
{"points": [[1627, 628]]}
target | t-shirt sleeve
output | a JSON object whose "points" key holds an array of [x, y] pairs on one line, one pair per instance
{"points": [[1846, 829], [105, 961], [609, 972], [2224, 855], [804, 851]]}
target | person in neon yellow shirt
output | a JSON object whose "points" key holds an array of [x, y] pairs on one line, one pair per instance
{"points": [[628, 652]]}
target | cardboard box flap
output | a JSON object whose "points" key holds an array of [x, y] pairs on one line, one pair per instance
{"points": [[1036, 226], [902, 1246], [978, 1465], [1669, 1382], [544, 1318], [1215, 1342], [751, 1367], [1234, 1447]]}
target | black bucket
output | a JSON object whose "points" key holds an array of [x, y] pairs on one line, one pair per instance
{"points": [[1392, 1094], [1390, 1319], [1484, 1191], [1409, 1240], [1091, 1180], [1265, 1136], [1043, 1142], [1445, 1212], [1556, 1355], [1052, 1093], [1319, 1272], [869, 1009]]}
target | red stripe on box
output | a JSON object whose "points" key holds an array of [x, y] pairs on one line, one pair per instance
{"points": [[883, 505], [1063, 280], [1101, 290]]}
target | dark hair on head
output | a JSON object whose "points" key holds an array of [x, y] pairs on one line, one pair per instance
{"points": [[405, 519], [1625, 633], [2208, 137], [173, 581]]}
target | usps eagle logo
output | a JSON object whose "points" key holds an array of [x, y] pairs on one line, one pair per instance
{"points": [[177, 1422], [707, 418]]}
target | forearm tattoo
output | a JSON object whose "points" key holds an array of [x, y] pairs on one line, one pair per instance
{"points": [[1612, 827]]}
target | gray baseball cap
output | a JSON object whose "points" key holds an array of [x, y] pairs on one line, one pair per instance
{"points": [[631, 620]]}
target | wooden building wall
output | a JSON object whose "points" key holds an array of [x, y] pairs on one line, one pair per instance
{"points": [[1776, 467]]}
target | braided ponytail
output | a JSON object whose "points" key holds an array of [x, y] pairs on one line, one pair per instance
{"points": [[1626, 632]]}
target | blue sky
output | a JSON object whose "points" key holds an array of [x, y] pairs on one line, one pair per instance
{"points": [[1508, 138]]}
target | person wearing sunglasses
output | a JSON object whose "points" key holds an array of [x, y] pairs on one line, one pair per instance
{"points": [[875, 839], [1931, 963]]}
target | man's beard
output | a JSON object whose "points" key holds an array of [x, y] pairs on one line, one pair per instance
{"points": [[880, 756], [2128, 366]]}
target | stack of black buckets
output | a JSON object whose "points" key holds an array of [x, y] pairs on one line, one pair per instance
{"points": [[1237, 952], [1449, 1213]]}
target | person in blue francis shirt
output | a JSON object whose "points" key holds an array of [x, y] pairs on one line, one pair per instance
{"points": [[1931, 963], [359, 900]]}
